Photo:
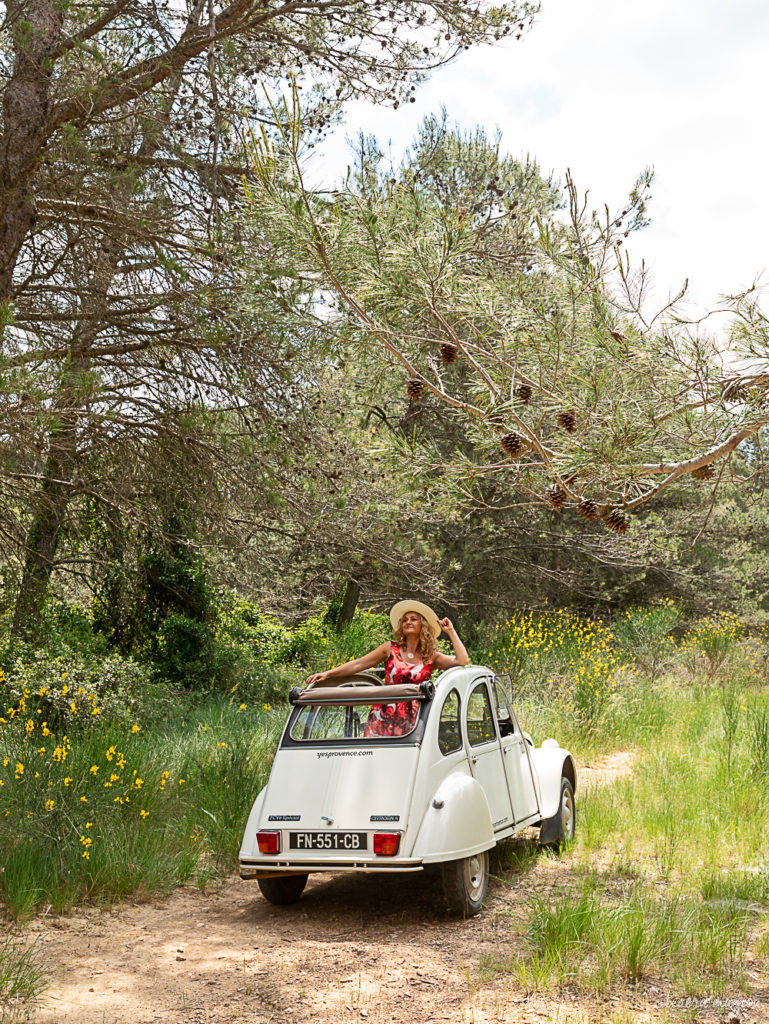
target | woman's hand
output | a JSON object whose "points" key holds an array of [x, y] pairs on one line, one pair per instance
{"points": [[317, 677], [460, 657]]}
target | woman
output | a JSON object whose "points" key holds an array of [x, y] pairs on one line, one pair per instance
{"points": [[410, 658]]}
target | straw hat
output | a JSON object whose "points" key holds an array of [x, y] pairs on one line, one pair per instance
{"points": [[399, 610]]}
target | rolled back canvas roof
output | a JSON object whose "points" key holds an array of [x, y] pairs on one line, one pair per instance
{"points": [[359, 694]]}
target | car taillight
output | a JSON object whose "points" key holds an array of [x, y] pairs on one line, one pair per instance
{"points": [[269, 842], [386, 843]]}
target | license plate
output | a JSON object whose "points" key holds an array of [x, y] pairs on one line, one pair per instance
{"points": [[327, 840]]}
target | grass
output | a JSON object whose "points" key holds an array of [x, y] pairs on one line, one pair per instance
{"points": [[22, 976], [101, 813], [595, 942], [668, 877]]}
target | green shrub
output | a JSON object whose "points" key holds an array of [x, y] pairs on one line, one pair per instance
{"points": [[64, 629], [185, 653], [644, 635], [366, 631], [67, 687], [261, 683], [252, 633], [711, 642]]}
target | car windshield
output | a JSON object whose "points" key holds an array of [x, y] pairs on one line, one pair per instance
{"points": [[352, 722]]}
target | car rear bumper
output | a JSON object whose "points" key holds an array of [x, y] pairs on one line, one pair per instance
{"points": [[264, 868]]}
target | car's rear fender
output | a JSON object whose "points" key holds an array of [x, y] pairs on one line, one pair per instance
{"points": [[247, 847], [457, 822], [552, 763]]}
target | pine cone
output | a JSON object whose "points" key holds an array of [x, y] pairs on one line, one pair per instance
{"points": [[735, 390], [704, 472], [556, 495], [616, 520], [448, 352], [415, 389], [512, 443], [588, 509], [496, 420], [524, 392], [567, 421]]}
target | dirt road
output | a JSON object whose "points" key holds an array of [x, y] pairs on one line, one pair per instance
{"points": [[355, 948]]}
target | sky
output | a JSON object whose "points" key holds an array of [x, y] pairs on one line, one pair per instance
{"points": [[605, 88]]}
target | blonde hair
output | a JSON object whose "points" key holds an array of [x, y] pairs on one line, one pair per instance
{"points": [[427, 646]]}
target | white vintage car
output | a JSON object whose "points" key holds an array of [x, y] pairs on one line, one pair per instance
{"points": [[456, 776]]}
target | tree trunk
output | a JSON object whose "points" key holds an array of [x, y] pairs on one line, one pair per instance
{"points": [[349, 604], [42, 542], [55, 490], [37, 29], [61, 468]]}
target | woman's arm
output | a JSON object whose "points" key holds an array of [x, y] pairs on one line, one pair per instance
{"points": [[351, 667], [460, 657]]}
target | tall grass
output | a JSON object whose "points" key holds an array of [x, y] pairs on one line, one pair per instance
{"points": [[22, 977], [669, 871], [102, 812], [594, 941], [695, 802]]}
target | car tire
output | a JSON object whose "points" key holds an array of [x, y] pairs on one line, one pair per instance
{"points": [[281, 891], [465, 883], [565, 819]]}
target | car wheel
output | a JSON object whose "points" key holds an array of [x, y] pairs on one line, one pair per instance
{"points": [[283, 889], [566, 818], [466, 882]]}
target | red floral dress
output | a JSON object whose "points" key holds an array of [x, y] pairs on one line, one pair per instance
{"points": [[399, 718]]}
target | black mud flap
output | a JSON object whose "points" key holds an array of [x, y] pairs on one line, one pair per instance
{"points": [[550, 829]]}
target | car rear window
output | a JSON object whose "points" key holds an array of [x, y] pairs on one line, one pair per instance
{"points": [[361, 721]]}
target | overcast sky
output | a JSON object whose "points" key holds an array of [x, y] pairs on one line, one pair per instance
{"points": [[606, 88]]}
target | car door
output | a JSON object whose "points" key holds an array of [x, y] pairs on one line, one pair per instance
{"points": [[486, 760], [515, 754]]}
